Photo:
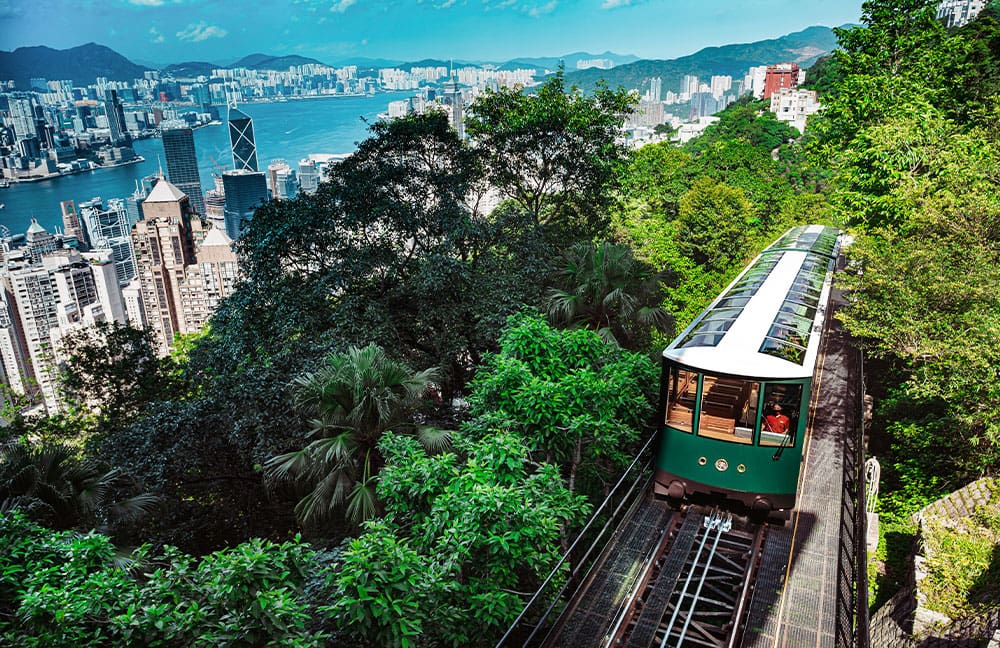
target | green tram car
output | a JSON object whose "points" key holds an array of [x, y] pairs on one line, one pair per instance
{"points": [[736, 383]]}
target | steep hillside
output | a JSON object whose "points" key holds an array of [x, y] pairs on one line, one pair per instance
{"points": [[802, 47]]}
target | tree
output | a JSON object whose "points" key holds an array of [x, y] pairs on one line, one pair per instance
{"points": [[577, 402], [393, 248], [657, 175], [203, 456], [464, 539], [113, 370], [603, 287], [355, 398], [54, 486], [749, 120], [714, 221], [65, 589], [554, 152]]}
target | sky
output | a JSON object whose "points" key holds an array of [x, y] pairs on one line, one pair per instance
{"points": [[172, 31]]}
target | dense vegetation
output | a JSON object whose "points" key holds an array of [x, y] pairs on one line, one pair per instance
{"points": [[434, 393], [909, 138]]}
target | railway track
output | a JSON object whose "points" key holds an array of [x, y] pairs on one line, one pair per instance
{"points": [[695, 585]]}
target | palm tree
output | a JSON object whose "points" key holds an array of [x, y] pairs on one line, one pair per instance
{"points": [[355, 398], [54, 486], [602, 286]]}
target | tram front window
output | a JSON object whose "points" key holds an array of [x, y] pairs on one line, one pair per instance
{"points": [[680, 404], [728, 409], [780, 421]]}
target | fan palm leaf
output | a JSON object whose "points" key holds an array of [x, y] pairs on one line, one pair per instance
{"points": [[353, 399]]}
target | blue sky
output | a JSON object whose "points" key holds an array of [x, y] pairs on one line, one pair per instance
{"points": [[169, 31]]}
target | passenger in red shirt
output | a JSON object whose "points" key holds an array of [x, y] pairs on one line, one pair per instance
{"points": [[776, 421]]}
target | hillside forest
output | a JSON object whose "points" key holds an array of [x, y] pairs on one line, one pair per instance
{"points": [[437, 365]]}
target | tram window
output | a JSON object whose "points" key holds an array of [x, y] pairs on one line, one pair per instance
{"points": [[724, 408], [780, 422], [680, 403]]}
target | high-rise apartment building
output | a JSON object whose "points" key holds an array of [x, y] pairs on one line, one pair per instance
{"points": [[245, 192], [164, 245], [782, 75], [209, 280], [689, 85], [182, 162], [67, 290], [956, 13], [242, 140], [21, 106], [753, 82], [17, 368], [720, 85], [184, 271], [655, 92]]}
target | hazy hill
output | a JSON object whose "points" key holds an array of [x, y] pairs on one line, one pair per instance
{"points": [[802, 47], [569, 60], [190, 69], [268, 62], [82, 64]]}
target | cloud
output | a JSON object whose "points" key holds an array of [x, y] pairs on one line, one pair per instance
{"points": [[148, 3], [615, 4], [9, 9], [157, 37], [533, 9], [342, 5], [197, 32], [546, 8]]}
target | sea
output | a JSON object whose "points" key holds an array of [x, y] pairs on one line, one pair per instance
{"points": [[288, 130]]}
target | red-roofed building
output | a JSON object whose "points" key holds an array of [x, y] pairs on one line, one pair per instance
{"points": [[782, 75]]}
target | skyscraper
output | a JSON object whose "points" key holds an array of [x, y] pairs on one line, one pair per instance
{"points": [[453, 97], [308, 176], [184, 272], [71, 221], [163, 247], [110, 229], [115, 113], [241, 138], [245, 191], [182, 162]]}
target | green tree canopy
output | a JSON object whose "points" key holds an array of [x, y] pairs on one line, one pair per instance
{"points": [[465, 538], [577, 401], [553, 151]]}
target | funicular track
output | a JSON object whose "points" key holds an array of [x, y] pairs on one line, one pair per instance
{"points": [[694, 588]]}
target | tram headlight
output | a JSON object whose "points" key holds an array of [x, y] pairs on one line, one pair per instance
{"points": [[721, 465]]}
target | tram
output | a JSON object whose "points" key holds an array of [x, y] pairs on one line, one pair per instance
{"points": [[736, 384]]}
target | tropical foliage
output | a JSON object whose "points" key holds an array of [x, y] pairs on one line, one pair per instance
{"points": [[355, 398]]}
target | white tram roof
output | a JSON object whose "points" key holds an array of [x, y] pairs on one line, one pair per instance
{"points": [[768, 322]]}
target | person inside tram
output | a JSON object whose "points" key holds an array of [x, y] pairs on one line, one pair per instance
{"points": [[776, 421]]}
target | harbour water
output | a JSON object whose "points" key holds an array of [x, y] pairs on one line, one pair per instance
{"points": [[288, 130]]}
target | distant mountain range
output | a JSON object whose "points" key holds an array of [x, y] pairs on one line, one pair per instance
{"points": [[85, 63], [82, 64], [569, 61], [803, 48]]}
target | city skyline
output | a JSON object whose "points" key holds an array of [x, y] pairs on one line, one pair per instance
{"points": [[172, 31]]}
